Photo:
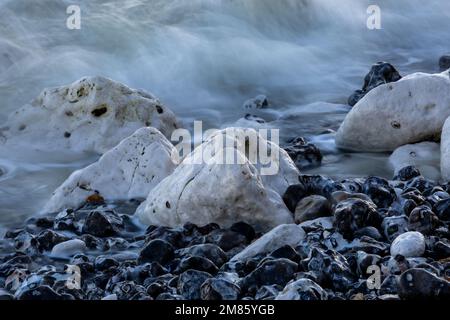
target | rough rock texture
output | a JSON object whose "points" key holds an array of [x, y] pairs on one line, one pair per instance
{"points": [[92, 114], [445, 151], [425, 156], [312, 207], [410, 110], [222, 193], [129, 170], [380, 73]]}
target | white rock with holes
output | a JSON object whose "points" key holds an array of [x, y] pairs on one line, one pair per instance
{"points": [[203, 189], [445, 151], [410, 110], [129, 170], [408, 244], [425, 156], [92, 114]]}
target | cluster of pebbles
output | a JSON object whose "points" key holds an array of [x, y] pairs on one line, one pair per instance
{"points": [[385, 240]]}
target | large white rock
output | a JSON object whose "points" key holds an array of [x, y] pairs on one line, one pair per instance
{"points": [[410, 110], [445, 151], [203, 189], [92, 114], [408, 244], [129, 170], [286, 234], [68, 248], [425, 156]]}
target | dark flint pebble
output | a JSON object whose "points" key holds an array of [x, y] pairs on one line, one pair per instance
{"points": [[442, 209], [331, 267], [226, 239], [444, 62], [190, 282], [244, 229], [47, 239], [268, 292], [353, 214], [40, 293], [424, 220], [379, 190], [304, 154], [197, 263], [407, 173], [278, 271], [157, 250], [102, 224], [103, 262], [219, 289], [286, 252], [207, 250], [419, 283], [380, 73]]}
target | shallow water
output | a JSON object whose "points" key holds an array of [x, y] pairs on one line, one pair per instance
{"points": [[204, 58]]}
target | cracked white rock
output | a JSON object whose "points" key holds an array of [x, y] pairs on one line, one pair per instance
{"points": [[212, 191], [92, 114], [410, 110], [425, 156], [129, 170]]}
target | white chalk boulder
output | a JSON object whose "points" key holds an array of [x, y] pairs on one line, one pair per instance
{"points": [[129, 170], [409, 244], [219, 182], [445, 151], [92, 114], [410, 110], [425, 156]]}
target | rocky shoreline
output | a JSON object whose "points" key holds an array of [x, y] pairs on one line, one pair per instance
{"points": [[139, 224], [400, 227]]}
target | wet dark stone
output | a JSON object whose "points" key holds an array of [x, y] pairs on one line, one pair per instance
{"points": [[268, 292], [353, 214], [442, 209], [156, 288], [169, 296], [102, 224], [197, 263], [286, 252], [126, 290], [310, 185], [245, 229], [26, 242], [47, 239], [219, 289], [207, 250], [424, 220], [190, 282], [389, 285], [279, 271], [394, 226], [444, 63], [226, 239], [44, 222], [92, 242], [379, 190], [424, 186], [407, 173], [104, 262], [371, 232], [419, 283], [41, 293], [331, 267], [304, 154], [442, 250], [174, 237], [157, 251], [380, 73]]}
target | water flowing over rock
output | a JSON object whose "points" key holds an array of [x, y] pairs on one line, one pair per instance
{"points": [[92, 114], [212, 191], [129, 170], [410, 110]]}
